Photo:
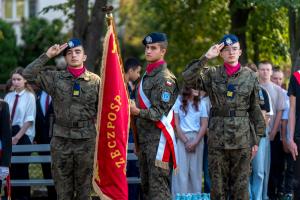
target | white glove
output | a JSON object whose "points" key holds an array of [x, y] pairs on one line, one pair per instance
{"points": [[4, 171]]}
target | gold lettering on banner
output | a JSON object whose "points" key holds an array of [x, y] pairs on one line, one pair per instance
{"points": [[110, 125], [114, 50], [111, 135], [115, 154], [112, 144], [112, 116]]}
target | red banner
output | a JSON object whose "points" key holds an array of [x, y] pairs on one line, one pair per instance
{"points": [[109, 177]]}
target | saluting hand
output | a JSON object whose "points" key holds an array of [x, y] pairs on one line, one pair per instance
{"points": [[55, 50], [214, 51]]}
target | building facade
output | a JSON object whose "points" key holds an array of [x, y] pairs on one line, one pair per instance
{"points": [[13, 11]]}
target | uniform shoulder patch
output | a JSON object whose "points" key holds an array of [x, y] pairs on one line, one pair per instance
{"points": [[166, 96]]}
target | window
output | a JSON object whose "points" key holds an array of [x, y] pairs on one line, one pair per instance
{"points": [[20, 8], [8, 11], [32, 8], [14, 9]]}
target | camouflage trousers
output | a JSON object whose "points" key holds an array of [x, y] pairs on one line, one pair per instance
{"points": [[229, 171], [72, 167], [155, 181]]}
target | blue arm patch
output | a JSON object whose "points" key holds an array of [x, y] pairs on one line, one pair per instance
{"points": [[165, 97]]}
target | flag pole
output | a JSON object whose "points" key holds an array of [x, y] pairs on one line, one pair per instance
{"points": [[111, 22], [109, 175]]}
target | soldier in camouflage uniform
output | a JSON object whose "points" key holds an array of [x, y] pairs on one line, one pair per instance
{"points": [[160, 87], [233, 91], [74, 92]]}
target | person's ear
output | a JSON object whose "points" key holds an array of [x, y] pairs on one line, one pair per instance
{"points": [[240, 52], [163, 51], [84, 57]]}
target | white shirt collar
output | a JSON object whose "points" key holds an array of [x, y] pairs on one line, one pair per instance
{"points": [[20, 93]]}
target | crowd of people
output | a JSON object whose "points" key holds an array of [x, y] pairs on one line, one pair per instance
{"points": [[234, 126]]}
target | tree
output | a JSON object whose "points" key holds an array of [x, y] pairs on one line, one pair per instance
{"points": [[262, 28], [267, 35], [88, 19], [239, 14], [294, 33], [191, 26], [8, 51], [37, 35]]}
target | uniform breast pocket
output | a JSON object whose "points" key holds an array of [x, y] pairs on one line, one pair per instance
{"points": [[63, 90], [147, 89], [243, 95], [218, 86], [89, 94]]}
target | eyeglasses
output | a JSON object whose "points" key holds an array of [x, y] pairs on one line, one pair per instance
{"points": [[233, 49]]}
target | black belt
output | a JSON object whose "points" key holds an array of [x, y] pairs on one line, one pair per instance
{"points": [[229, 113], [74, 124]]}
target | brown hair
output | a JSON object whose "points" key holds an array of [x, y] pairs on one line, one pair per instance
{"points": [[265, 62], [277, 69], [186, 94], [19, 70], [163, 45]]}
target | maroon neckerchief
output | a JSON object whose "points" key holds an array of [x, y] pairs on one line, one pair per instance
{"points": [[150, 67], [231, 69], [76, 72]]}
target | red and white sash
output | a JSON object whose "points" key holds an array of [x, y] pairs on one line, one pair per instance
{"points": [[167, 144]]}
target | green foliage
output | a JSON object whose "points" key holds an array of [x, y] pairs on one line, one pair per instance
{"points": [[192, 26], [272, 34], [67, 8], [37, 35], [8, 50]]}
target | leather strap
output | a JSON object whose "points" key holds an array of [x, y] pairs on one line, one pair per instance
{"points": [[74, 124], [229, 113]]}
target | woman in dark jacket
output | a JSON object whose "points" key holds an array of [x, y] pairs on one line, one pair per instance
{"points": [[5, 141]]}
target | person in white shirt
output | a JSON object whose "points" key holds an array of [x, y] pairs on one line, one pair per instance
{"points": [[191, 120], [22, 106], [286, 186], [259, 176], [278, 105]]}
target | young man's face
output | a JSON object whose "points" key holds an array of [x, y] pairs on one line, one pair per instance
{"points": [[154, 52], [277, 78], [265, 71], [134, 74], [75, 57], [231, 54]]}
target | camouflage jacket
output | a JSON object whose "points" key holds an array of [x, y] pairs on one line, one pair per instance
{"points": [[157, 85], [74, 114], [234, 102]]}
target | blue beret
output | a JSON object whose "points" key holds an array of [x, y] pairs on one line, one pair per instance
{"points": [[229, 39], [154, 38], [74, 42]]}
